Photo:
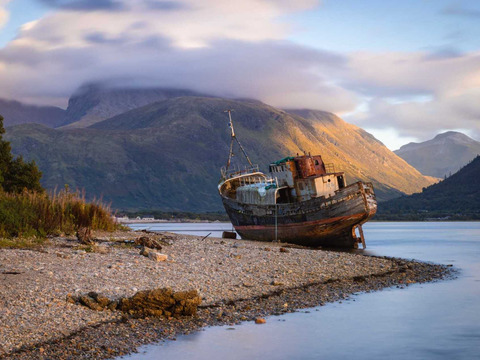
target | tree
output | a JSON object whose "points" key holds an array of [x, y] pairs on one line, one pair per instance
{"points": [[16, 174]]}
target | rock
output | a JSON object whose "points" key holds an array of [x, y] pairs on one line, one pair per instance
{"points": [[101, 249], [103, 301], [71, 299], [161, 302], [145, 251], [93, 295], [156, 256], [112, 305], [260, 321], [90, 303], [283, 250], [148, 242]]}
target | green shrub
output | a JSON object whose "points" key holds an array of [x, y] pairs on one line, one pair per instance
{"points": [[16, 174]]}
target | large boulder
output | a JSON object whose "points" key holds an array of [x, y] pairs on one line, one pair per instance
{"points": [[161, 302], [155, 302]]}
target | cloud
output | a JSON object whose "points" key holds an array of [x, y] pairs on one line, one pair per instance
{"points": [[458, 10], [3, 12], [424, 119], [209, 46], [165, 5], [417, 93], [84, 5], [277, 72], [422, 73], [218, 52]]}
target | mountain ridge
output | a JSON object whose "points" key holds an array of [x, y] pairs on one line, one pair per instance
{"points": [[441, 156], [16, 113], [168, 154], [96, 102]]}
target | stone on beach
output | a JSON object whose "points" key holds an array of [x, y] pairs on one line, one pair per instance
{"points": [[153, 255], [156, 256], [148, 242], [155, 302], [161, 302]]}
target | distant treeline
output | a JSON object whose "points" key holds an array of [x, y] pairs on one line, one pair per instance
{"points": [[426, 216], [175, 215]]}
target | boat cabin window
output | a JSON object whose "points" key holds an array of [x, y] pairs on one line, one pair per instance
{"points": [[277, 168]]}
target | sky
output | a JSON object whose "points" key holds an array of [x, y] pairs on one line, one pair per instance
{"points": [[402, 70]]}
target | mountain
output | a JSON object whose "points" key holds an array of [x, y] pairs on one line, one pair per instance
{"points": [[456, 197], [16, 113], [95, 102], [167, 155], [442, 156]]}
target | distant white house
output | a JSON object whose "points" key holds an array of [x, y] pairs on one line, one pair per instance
{"points": [[148, 218]]}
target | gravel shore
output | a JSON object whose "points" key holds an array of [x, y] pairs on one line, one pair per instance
{"points": [[238, 281]]}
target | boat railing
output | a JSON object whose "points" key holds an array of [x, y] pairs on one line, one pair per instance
{"points": [[256, 180], [238, 170]]}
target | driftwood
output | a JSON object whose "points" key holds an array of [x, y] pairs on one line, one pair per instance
{"points": [[148, 242], [84, 235], [154, 240]]}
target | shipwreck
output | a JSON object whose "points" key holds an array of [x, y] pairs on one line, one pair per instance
{"points": [[302, 201]]}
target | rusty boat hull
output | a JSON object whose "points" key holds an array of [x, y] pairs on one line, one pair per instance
{"points": [[318, 222]]}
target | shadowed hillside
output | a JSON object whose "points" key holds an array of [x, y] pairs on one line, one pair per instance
{"points": [[167, 155], [456, 197], [16, 113]]}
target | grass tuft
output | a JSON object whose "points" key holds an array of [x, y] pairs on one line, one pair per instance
{"points": [[35, 215]]}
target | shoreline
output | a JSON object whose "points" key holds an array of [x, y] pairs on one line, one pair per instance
{"points": [[258, 283]]}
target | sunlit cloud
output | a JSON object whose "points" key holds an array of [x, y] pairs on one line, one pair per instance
{"points": [[416, 93], [225, 48], [4, 15]]}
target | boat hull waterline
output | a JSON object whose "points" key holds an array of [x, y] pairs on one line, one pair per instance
{"points": [[318, 222]]}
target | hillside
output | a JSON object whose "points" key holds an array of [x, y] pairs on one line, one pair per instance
{"points": [[16, 113], [358, 153], [96, 102], [457, 197], [441, 156], [167, 155]]}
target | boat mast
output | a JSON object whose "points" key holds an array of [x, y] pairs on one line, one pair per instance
{"points": [[233, 137]]}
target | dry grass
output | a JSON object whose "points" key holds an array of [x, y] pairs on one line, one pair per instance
{"points": [[37, 215]]}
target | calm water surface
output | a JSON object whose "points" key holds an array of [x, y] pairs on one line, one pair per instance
{"points": [[429, 321]]}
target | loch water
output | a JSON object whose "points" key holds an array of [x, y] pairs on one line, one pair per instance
{"points": [[439, 320]]}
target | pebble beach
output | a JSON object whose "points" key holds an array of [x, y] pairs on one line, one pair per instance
{"points": [[237, 281]]}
